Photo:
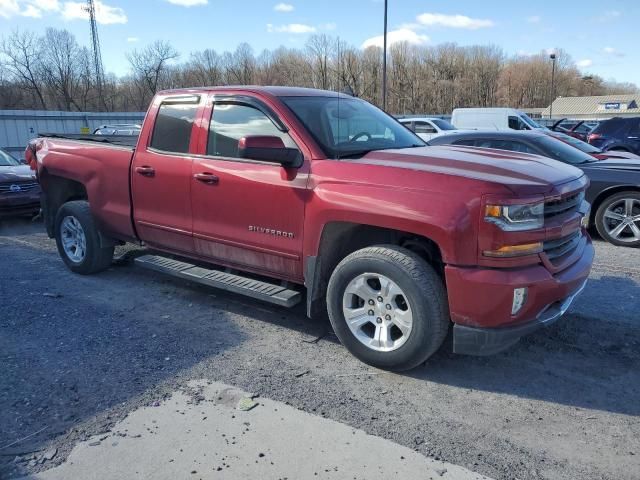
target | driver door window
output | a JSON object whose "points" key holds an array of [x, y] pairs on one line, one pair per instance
{"points": [[516, 123], [230, 122]]}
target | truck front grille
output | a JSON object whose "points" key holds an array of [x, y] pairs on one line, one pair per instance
{"points": [[560, 247], [569, 203]]}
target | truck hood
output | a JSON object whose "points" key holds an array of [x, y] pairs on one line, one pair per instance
{"points": [[518, 171], [17, 173]]}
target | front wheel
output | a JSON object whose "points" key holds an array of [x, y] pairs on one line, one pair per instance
{"points": [[78, 239], [388, 307], [618, 219]]}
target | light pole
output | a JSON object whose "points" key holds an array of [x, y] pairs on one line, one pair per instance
{"points": [[553, 83], [384, 61]]}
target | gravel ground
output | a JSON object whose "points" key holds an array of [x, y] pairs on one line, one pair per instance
{"points": [[79, 353]]}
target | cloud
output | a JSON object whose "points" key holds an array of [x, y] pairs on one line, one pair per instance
{"points": [[9, 8], [26, 8], [609, 16], [296, 28], [283, 7], [105, 14], [132, 39], [31, 11], [453, 21], [48, 5], [612, 51], [534, 19], [397, 36], [587, 62], [188, 3], [328, 26]]}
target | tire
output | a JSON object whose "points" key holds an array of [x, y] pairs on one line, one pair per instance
{"points": [[422, 298], [84, 257], [612, 212]]}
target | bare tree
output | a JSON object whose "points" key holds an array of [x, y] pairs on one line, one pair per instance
{"points": [[321, 50], [23, 58], [62, 64], [53, 70], [148, 66]]}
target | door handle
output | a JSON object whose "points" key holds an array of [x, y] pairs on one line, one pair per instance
{"points": [[208, 178], [146, 171]]}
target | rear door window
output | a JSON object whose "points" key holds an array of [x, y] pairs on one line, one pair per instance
{"points": [[634, 131], [173, 127], [610, 126], [424, 127]]}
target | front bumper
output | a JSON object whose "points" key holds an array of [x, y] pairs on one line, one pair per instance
{"points": [[480, 302], [487, 341], [19, 205]]}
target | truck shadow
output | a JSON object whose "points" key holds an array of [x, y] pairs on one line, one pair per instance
{"points": [[581, 361], [78, 353]]}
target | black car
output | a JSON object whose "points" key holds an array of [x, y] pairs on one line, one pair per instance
{"points": [[621, 134], [19, 190], [614, 192]]}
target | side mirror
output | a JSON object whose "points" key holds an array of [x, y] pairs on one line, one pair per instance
{"points": [[269, 149]]}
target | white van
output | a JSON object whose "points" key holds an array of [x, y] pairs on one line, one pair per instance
{"points": [[493, 119]]}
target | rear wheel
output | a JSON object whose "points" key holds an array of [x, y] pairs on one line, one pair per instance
{"points": [[78, 239], [388, 307], [618, 219]]}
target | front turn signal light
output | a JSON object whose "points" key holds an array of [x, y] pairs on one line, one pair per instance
{"points": [[515, 250]]}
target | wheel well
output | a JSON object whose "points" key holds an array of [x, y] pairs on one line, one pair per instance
{"points": [[602, 196], [340, 239], [58, 191]]}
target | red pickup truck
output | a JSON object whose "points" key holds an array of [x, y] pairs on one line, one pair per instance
{"points": [[263, 190]]}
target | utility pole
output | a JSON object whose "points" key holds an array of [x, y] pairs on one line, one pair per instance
{"points": [[95, 43], [553, 83], [384, 61]]}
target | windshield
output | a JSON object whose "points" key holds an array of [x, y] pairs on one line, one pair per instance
{"points": [[7, 160], [579, 144], [559, 150], [350, 126], [528, 121], [443, 124]]}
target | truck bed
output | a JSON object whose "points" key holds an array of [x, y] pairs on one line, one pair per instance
{"points": [[120, 140], [100, 165]]}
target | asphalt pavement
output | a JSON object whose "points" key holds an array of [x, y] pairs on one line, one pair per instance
{"points": [[83, 355]]}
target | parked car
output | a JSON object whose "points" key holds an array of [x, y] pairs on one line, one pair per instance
{"points": [[19, 190], [614, 191], [427, 128], [291, 186], [620, 134], [585, 147], [118, 129], [579, 129], [492, 119]]}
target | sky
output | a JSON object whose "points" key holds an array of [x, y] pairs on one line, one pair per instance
{"points": [[600, 36]]}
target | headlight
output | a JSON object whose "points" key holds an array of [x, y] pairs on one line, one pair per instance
{"points": [[513, 218]]}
